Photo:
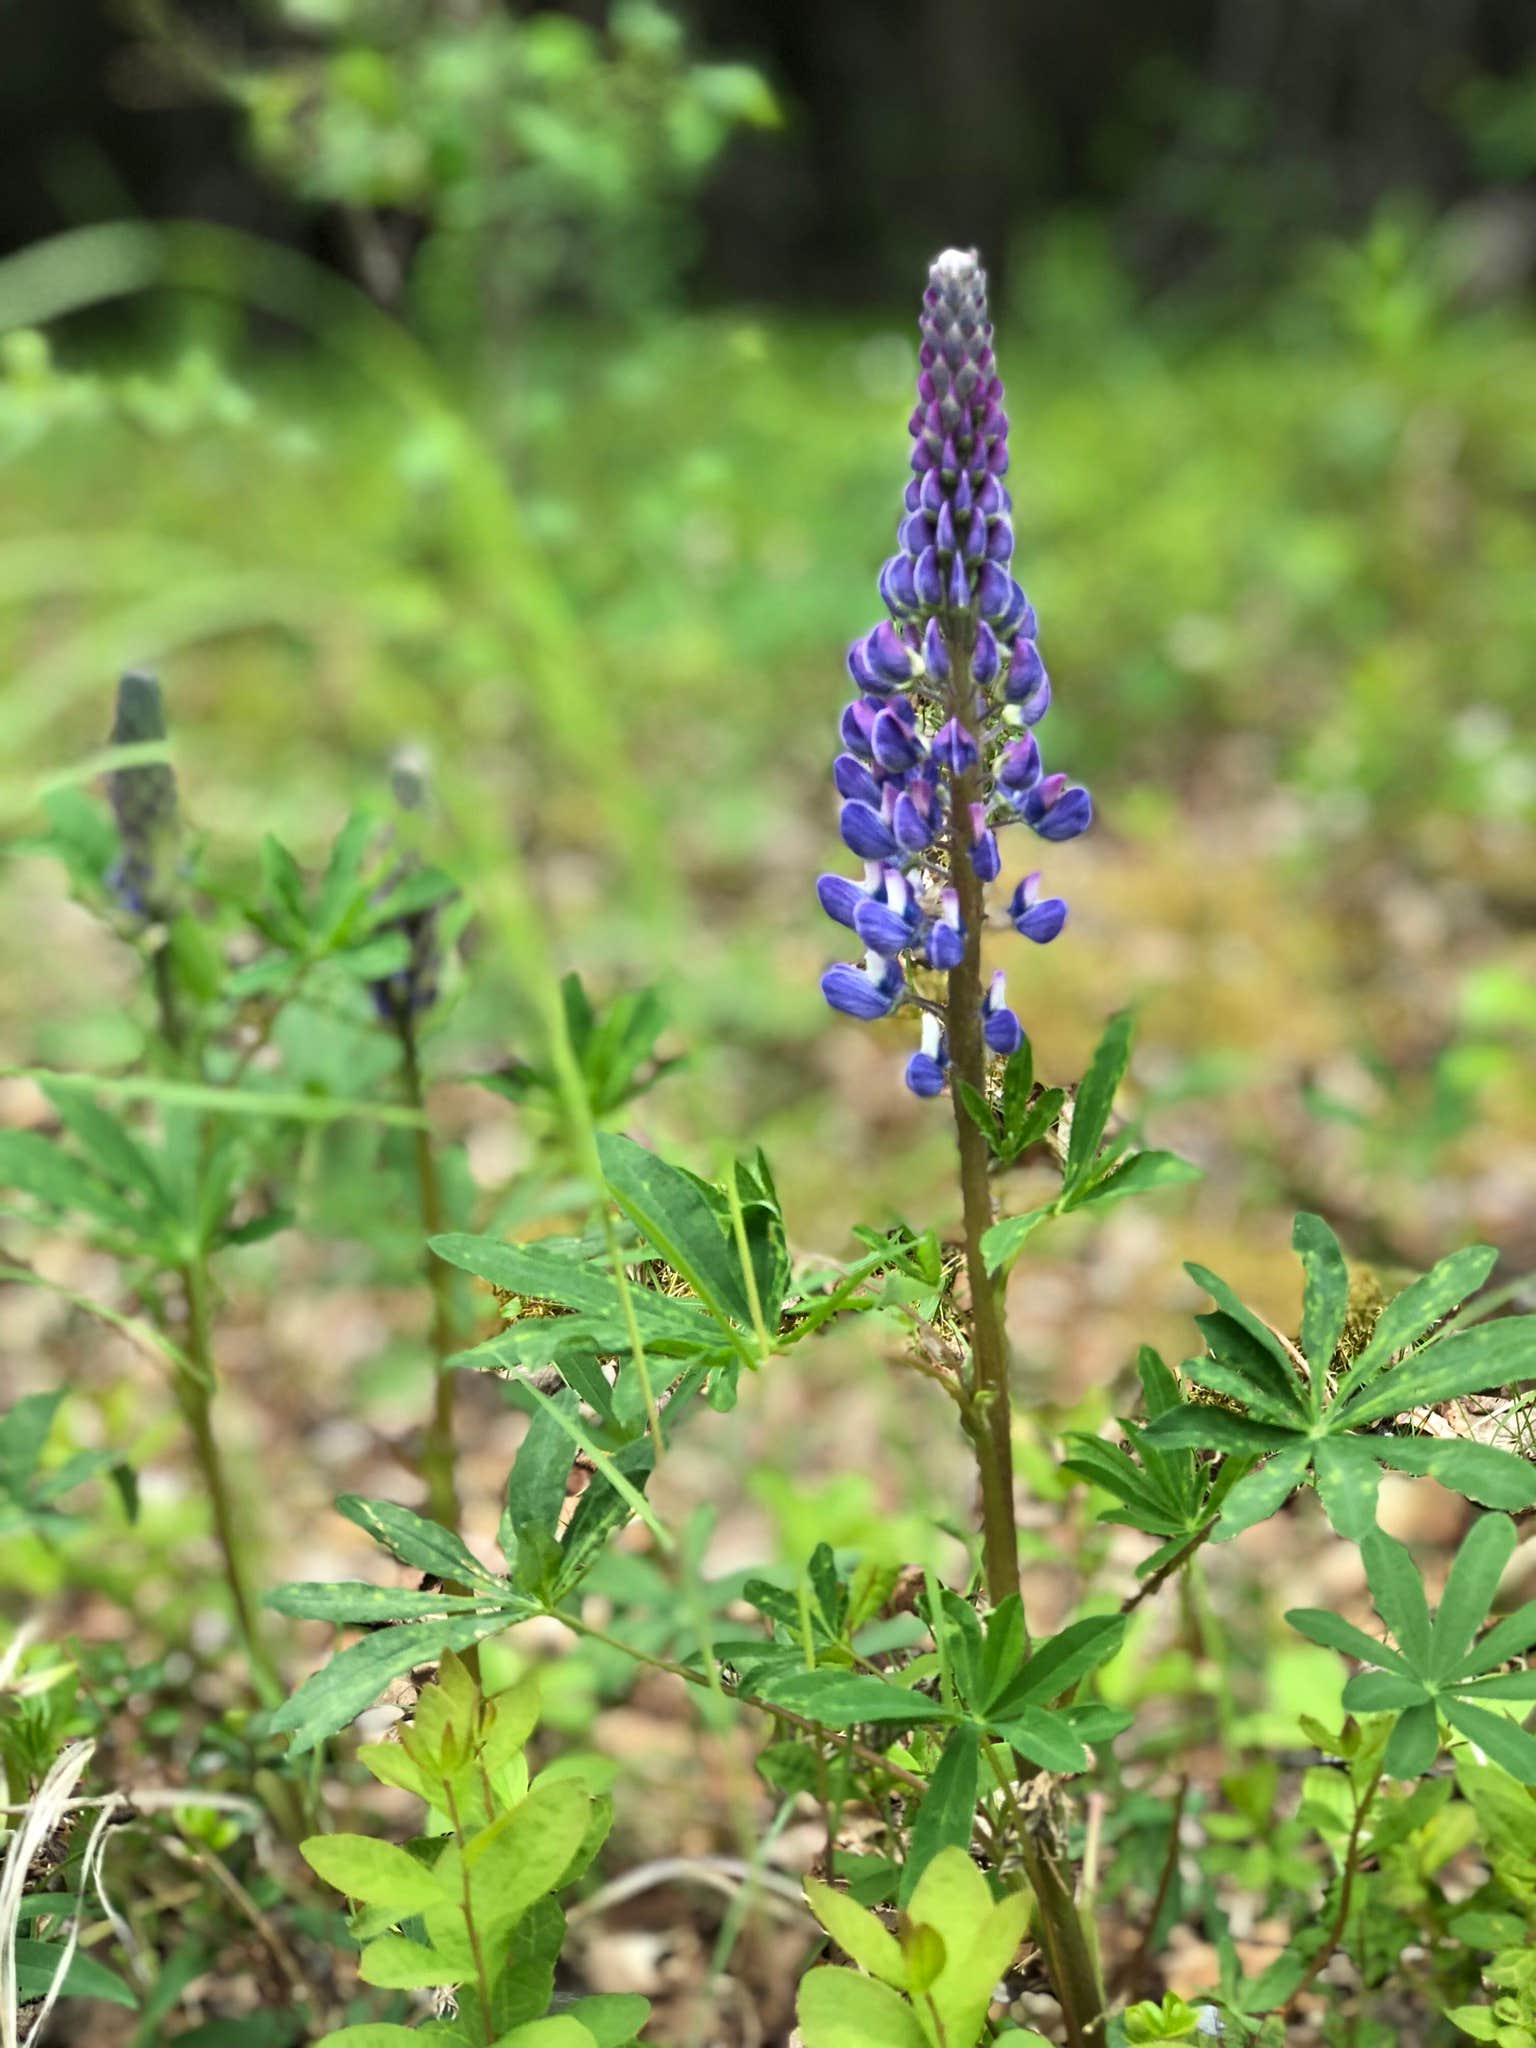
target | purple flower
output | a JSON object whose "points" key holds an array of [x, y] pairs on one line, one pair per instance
{"points": [[1018, 767], [1000, 1028], [915, 818], [888, 920], [867, 992], [926, 1068], [865, 832], [894, 740], [854, 780], [856, 725], [1056, 810], [944, 947], [953, 748], [985, 858], [1033, 916], [950, 685], [886, 656], [985, 659], [1026, 673], [839, 898]]}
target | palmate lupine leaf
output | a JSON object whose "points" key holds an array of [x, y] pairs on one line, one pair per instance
{"points": [[1276, 1407], [1440, 1668], [1161, 1490]]}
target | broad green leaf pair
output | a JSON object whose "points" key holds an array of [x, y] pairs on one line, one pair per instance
{"points": [[929, 1987]]}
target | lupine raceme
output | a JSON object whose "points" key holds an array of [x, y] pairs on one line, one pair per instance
{"points": [[939, 753], [143, 799], [413, 988]]}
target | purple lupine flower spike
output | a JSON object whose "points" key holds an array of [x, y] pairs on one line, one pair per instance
{"points": [[938, 752], [143, 800]]}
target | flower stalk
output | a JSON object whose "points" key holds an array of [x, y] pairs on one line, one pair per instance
{"points": [[939, 756]]}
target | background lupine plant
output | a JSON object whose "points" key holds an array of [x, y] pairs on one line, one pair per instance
{"points": [[939, 752], [143, 799]]}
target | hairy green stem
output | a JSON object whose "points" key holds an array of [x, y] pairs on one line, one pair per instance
{"points": [[482, 1975], [437, 1444], [1071, 1958], [194, 1394], [990, 1427], [1340, 1920], [1065, 1935]]}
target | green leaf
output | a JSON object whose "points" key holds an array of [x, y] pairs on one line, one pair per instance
{"points": [[1469, 1589], [1486, 1355], [1018, 1082], [537, 1481], [425, 1546], [559, 2030], [40, 1167], [1480, 1472], [1333, 1632], [206, 1095], [356, 1601], [38, 1961], [1279, 1374], [526, 1851], [1046, 1739], [1381, 1692], [612, 2018], [1413, 1744], [858, 1933], [1418, 1308], [377, 1872], [1002, 1242], [843, 1699], [1325, 1301], [1398, 1592], [1480, 2021], [1500, 1685], [672, 1214], [570, 1277], [1060, 1661], [24, 1430], [371, 2034], [1138, 1175], [947, 1810], [111, 1145], [1513, 1636], [978, 1110], [339, 1691], [396, 1964], [1235, 1382], [1348, 1481], [1095, 1099], [979, 1940], [613, 1494], [1259, 1493], [1509, 1745], [1201, 1425], [839, 2009]]}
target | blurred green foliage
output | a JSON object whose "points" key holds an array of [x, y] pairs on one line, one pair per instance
{"points": [[482, 159]]}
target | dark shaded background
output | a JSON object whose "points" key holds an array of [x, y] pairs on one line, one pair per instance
{"points": [[1213, 133]]}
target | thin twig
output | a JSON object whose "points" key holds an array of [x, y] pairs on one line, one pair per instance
{"points": [[1165, 1571]]}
